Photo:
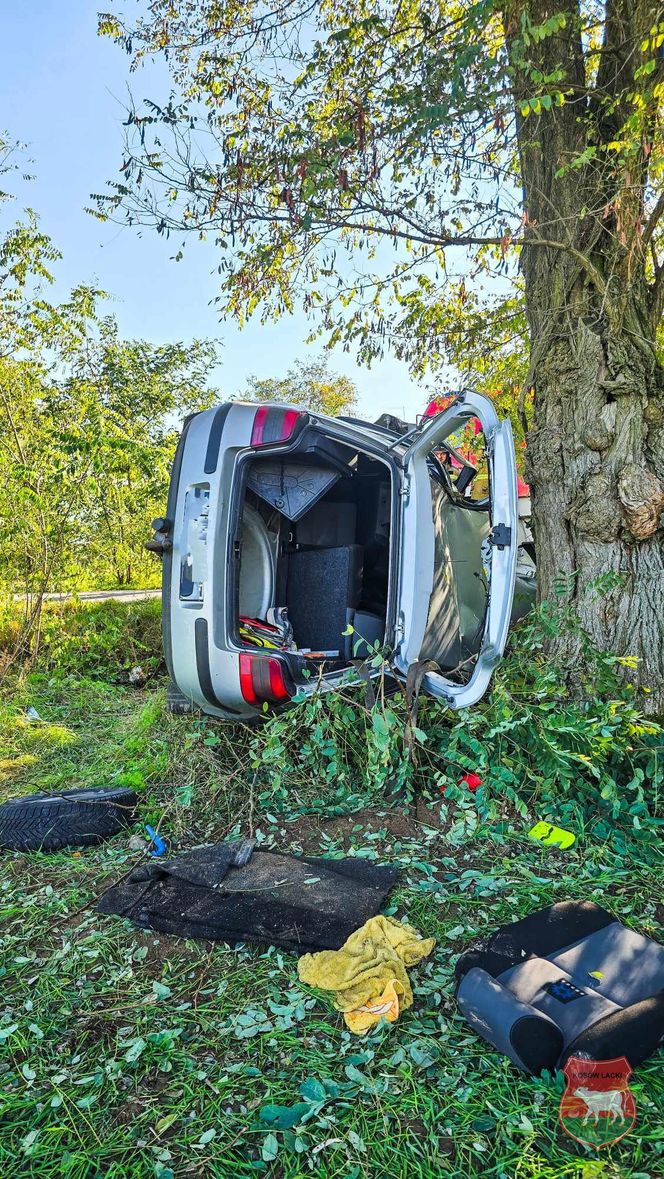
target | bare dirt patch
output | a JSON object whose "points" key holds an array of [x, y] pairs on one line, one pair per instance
{"points": [[310, 832]]}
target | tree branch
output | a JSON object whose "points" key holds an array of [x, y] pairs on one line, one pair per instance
{"points": [[656, 298], [653, 220]]}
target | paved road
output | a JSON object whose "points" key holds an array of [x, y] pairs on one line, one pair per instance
{"points": [[103, 596]]}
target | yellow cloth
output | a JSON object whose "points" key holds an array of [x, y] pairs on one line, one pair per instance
{"points": [[372, 959], [386, 1006]]}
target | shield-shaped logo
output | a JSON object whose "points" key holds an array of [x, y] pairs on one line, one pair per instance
{"points": [[597, 1107]]}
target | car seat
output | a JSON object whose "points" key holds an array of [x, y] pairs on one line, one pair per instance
{"points": [[567, 980], [323, 591]]}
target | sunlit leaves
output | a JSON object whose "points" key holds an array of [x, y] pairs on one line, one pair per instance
{"points": [[338, 153], [310, 384], [87, 429]]}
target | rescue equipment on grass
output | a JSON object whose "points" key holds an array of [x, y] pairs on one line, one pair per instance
{"points": [[551, 836]]}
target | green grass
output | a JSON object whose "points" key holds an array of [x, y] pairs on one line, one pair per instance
{"points": [[99, 639], [129, 1055]]}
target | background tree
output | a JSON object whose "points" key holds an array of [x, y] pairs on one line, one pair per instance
{"points": [[343, 154], [310, 383], [129, 397], [85, 456], [40, 478], [88, 426]]}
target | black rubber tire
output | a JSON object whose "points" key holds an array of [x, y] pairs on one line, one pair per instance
{"points": [[177, 703], [73, 818]]}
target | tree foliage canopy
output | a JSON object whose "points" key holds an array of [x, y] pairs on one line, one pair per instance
{"points": [[338, 151], [85, 455], [478, 182], [88, 425], [309, 383]]}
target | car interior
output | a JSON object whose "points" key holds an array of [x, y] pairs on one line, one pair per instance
{"points": [[313, 545]]}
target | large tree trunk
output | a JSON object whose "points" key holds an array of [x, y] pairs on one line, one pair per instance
{"points": [[596, 460], [596, 445]]}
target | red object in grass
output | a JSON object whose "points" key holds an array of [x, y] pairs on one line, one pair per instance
{"points": [[472, 781]]}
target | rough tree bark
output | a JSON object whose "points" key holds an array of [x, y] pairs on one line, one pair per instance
{"points": [[596, 444]]}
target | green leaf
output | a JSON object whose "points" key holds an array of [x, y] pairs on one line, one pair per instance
{"points": [[135, 1050], [484, 1124], [359, 1078], [455, 932], [424, 1055], [312, 1090], [164, 1123], [380, 725], [283, 1117], [270, 1149], [28, 1142]]}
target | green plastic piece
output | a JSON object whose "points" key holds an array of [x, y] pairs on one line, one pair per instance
{"points": [[551, 836]]}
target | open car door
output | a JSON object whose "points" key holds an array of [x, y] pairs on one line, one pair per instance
{"points": [[457, 555]]}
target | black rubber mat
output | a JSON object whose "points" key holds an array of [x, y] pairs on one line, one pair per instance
{"points": [[302, 904]]}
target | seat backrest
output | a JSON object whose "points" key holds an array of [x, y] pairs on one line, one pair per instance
{"points": [[555, 993], [323, 590]]}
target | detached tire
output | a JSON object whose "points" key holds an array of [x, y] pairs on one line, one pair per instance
{"points": [[73, 818]]}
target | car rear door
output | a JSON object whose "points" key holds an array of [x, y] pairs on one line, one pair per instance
{"points": [[457, 560]]}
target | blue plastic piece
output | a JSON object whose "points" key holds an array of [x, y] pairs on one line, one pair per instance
{"points": [[159, 845]]}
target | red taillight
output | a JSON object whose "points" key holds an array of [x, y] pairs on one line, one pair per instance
{"points": [[272, 424], [246, 680], [263, 679], [278, 689], [259, 426]]}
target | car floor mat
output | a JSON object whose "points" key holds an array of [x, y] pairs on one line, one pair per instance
{"points": [[301, 904]]}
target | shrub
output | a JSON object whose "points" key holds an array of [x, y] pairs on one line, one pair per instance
{"points": [[592, 754], [102, 640], [591, 758]]}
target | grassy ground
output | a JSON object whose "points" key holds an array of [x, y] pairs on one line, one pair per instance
{"points": [[130, 1056]]}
